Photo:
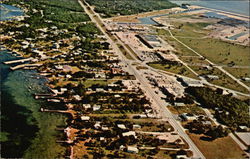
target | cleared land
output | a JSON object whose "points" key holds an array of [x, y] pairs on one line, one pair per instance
{"points": [[125, 53], [239, 73], [193, 109], [218, 51], [180, 49], [216, 149], [178, 69], [223, 80]]}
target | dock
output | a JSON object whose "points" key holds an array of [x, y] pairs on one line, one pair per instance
{"points": [[18, 61], [58, 111], [54, 111], [25, 65]]}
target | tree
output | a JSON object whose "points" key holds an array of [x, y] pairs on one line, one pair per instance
{"points": [[181, 152], [217, 132]]}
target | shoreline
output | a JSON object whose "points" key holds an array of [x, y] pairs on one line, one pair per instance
{"points": [[135, 18], [227, 13], [204, 5]]}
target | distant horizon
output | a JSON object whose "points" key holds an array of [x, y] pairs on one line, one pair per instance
{"points": [[239, 6]]}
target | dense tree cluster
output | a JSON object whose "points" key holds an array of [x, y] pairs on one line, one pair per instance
{"points": [[213, 132], [229, 110], [114, 7]]}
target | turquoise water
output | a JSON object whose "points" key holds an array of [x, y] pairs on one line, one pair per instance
{"points": [[215, 15], [149, 20], [235, 37], [7, 12], [25, 131], [238, 6]]}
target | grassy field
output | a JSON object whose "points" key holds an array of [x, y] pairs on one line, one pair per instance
{"points": [[182, 70], [193, 109], [220, 52], [238, 72], [193, 30], [216, 50], [223, 80], [222, 148], [125, 53], [193, 60], [180, 49], [132, 51]]}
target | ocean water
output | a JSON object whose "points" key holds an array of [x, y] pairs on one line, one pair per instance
{"points": [[25, 131], [239, 7], [7, 12], [234, 6]]}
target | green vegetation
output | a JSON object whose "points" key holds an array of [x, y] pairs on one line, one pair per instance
{"points": [[228, 110], [224, 80], [180, 49], [89, 83], [172, 66], [59, 12], [217, 148], [194, 60], [220, 52], [131, 51], [193, 30], [216, 50], [4, 136], [111, 8], [192, 109], [125, 53], [238, 72]]}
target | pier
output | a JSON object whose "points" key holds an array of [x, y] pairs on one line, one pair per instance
{"points": [[52, 95], [54, 111], [69, 111], [46, 96], [25, 65], [18, 61]]}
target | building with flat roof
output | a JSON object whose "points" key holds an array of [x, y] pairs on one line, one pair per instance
{"points": [[132, 149]]}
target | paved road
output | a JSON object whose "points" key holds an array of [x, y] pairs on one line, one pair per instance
{"points": [[146, 87], [241, 145], [219, 67]]}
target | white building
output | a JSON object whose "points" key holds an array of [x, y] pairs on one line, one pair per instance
{"points": [[132, 149], [121, 126], [85, 118]]}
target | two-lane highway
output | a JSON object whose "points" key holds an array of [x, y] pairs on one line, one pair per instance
{"points": [[146, 87]]}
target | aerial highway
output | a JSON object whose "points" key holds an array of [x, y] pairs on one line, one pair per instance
{"points": [[164, 112]]}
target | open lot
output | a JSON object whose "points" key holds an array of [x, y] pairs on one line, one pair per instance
{"points": [[193, 109], [220, 52], [223, 80], [125, 53], [180, 50], [216, 149], [178, 69], [239, 73]]}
